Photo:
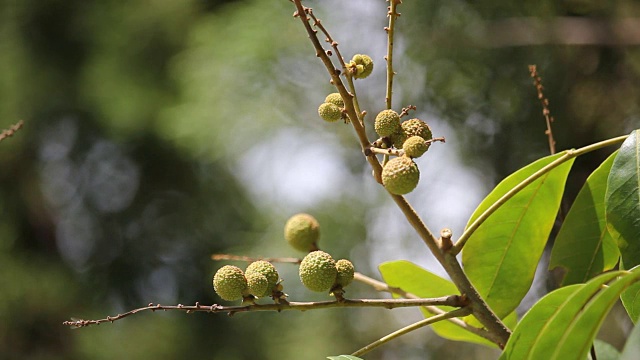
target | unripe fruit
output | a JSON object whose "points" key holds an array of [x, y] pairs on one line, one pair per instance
{"points": [[266, 269], [302, 232], [387, 122], [318, 271], [400, 175], [417, 127], [257, 284], [415, 146], [398, 139], [229, 283], [363, 64], [335, 99], [345, 272], [329, 112]]}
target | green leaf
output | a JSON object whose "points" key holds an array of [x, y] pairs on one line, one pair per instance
{"points": [[584, 247], [524, 335], [632, 347], [564, 323], [631, 302], [343, 357], [501, 256], [622, 201], [418, 281]]}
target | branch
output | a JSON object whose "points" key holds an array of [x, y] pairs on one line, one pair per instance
{"points": [[569, 154], [393, 15], [412, 327], [537, 82], [12, 130], [337, 82], [480, 308], [453, 300]]}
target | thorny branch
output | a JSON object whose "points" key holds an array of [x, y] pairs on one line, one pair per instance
{"points": [[537, 82], [453, 300], [12, 130]]}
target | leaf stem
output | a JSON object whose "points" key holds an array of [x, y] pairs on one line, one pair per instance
{"points": [[412, 327], [569, 154], [384, 287]]}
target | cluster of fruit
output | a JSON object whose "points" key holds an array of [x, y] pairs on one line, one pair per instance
{"points": [[318, 270], [400, 175], [332, 109]]}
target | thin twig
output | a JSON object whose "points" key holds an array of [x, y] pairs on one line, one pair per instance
{"points": [[334, 44], [218, 257], [537, 82], [393, 15], [12, 130], [569, 154], [412, 327], [453, 300]]}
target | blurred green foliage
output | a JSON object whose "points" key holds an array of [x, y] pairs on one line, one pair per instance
{"points": [[125, 177]]}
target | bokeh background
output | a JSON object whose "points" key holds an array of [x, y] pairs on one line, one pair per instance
{"points": [[160, 132]]}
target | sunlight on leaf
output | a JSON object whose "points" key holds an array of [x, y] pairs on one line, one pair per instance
{"points": [[501, 256]]}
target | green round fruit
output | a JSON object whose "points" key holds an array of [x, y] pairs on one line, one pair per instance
{"points": [[387, 122], [364, 65], [266, 269], [229, 283], [302, 232], [417, 127], [398, 139], [329, 112], [257, 284], [318, 271], [400, 175], [415, 146], [345, 272], [335, 99]]}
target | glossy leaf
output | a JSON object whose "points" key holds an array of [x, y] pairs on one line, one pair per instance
{"points": [[622, 200], [566, 321], [631, 302], [418, 281], [524, 335], [584, 247], [501, 256]]}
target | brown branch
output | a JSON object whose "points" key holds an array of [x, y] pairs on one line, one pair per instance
{"points": [[12, 130], [453, 300], [537, 82], [480, 308], [350, 109]]}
